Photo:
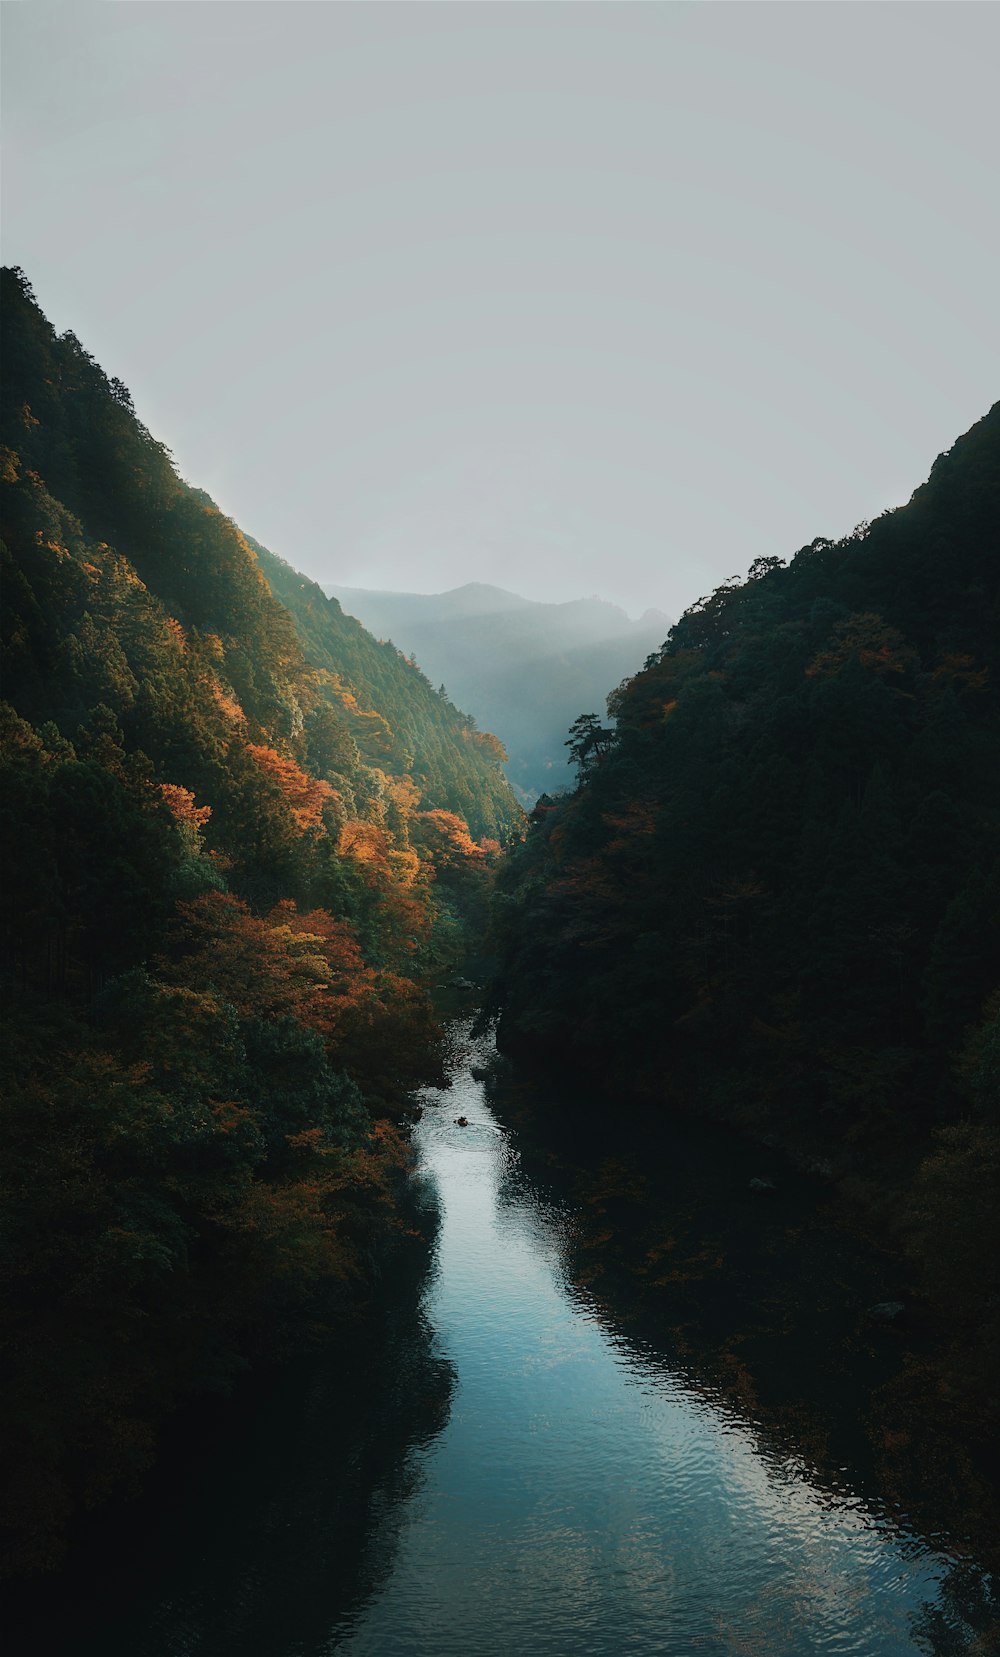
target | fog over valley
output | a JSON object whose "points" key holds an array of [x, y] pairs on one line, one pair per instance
{"points": [[523, 670]]}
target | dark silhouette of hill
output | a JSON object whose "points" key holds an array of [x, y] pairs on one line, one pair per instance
{"points": [[522, 668], [774, 897]]}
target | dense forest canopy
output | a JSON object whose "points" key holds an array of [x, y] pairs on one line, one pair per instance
{"points": [[774, 896], [241, 839]]}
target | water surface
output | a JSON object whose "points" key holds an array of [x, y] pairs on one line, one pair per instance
{"points": [[584, 1496], [509, 1469]]}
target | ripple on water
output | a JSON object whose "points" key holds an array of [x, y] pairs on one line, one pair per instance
{"points": [[584, 1498]]}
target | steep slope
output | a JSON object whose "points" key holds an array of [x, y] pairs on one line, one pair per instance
{"points": [[233, 863], [457, 766], [774, 897], [523, 669]]}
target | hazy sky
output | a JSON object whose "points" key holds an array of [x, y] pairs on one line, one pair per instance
{"points": [[570, 297]]}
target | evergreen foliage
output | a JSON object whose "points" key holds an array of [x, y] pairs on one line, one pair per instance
{"points": [[457, 767], [774, 897], [224, 901]]}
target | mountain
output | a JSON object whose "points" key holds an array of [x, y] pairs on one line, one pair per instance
{"points": [[774, 897], [241, 840], [523, 669]]}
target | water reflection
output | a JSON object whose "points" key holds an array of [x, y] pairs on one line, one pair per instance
{"points": [[520, 1466], [586, 1495], [256, 1534]]}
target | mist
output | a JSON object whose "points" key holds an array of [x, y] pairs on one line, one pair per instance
{"points": [[569, 299]]}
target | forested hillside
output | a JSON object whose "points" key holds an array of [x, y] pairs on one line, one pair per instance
{"points": [[524, 669], [239, 844], [458, 765], [774, 897]]}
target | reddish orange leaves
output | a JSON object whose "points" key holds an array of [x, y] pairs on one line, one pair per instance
{"points": [[180, 802], [305, 796]]}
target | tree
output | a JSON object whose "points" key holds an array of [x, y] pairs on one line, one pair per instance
{"points": [[588, 742]]}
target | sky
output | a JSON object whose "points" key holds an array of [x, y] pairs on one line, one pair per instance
{"points": [[573, 298]]}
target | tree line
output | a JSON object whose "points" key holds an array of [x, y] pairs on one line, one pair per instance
{"points": [[773, 896]]}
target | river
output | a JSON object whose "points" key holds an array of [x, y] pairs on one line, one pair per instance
{"points": [[553, 1486]]}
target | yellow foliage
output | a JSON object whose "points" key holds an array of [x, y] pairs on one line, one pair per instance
{"points": [[405, 865], [403, 792], [365, 842]]}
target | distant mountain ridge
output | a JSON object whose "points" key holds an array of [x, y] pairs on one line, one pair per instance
{"points": [[525, 669], [477, 598]]}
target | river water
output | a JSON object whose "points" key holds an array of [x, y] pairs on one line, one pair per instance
{"points": [[552, 1487], [583, 1498]]}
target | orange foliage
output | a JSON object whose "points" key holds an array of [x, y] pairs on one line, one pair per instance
{"points": [[305, 796], [181, 803], [177, 633], [370, 730], [224, 700], [292, 1227], [286, 965], [392, 874], [449, 834], [339, 945], [314, 1226], [366, 843]]}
